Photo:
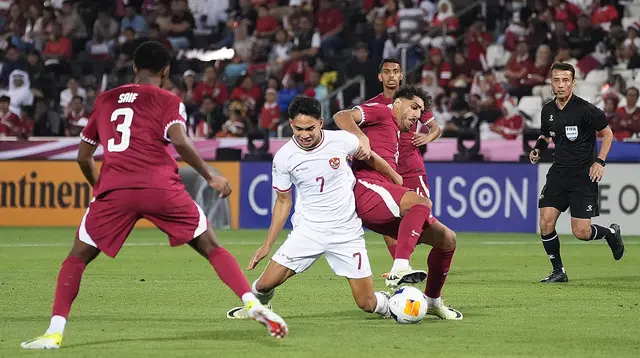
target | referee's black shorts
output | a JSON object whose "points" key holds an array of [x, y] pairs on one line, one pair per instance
{"points": [[570, 188]]}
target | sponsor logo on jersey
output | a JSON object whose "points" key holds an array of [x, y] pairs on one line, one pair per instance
{"points": [[571, 132], [334, 163]]}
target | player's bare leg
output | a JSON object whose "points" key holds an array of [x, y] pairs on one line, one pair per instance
{"points": [[551, 242], [366, 299], [443, 242], [230, 273], [584, 230], [416, 212], [391, 245], [264, 287], [67, 288]]}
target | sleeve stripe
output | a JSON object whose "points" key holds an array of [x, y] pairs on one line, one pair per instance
{"points": [[362, 113], [280, 190], [90, 141], [166, 128]]}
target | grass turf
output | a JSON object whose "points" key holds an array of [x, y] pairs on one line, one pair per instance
{"points": [[162, 302]]}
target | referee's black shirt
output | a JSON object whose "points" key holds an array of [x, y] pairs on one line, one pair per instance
{"points": [[573, 130]]}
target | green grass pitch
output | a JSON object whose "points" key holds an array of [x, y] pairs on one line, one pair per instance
{"points": [[156, 301]]}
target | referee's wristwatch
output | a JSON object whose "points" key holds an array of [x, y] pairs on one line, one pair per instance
{"points": [[601, 162]]}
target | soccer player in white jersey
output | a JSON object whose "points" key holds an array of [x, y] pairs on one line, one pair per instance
{"points": [[325, 219]]}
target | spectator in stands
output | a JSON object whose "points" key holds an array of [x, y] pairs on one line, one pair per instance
{"points": [[49, 20], [330, 23], [155, 34], [35, 69], [603, 13], [462, 117], [247, 93], [133, 20], [538, 73], [188, 87], [105, 34], [47, 121], [625, 57], [632, 35], [12, 61], [362, 65], [519, 65], [626, 122], [461, 73], [58, 47], [438, 66], [73, 27], [477, 40], [585, 37], [307, 41], [430, 84], [280, 52], [73, 90], [15, 19], [33, 29], [243, 43], [511, 124], [19, 91], [76, 117], [163, 18], [210, 87], [207, 121], [377, 42], [615, 36], [266, 25], [9, 121], [287, 94], [446, 20], [234, 126], [26, 123], [182, 24], [318, 91], [270, 113], [292, 22]]}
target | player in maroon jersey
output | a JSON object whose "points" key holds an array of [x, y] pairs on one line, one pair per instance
{"points": [[139, 179], [393, 210]]}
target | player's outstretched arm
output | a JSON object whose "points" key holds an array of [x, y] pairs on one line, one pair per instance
{"points": [[348, 120], [184, 146], [281, 211], [376, 162], [86, 162], [420, 139]]}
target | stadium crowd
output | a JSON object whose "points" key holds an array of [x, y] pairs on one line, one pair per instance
{"points": [[486, 65]]}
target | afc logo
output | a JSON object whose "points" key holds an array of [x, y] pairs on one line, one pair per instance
{"points": [[334, 163]]}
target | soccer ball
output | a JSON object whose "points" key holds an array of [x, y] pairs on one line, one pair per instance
{"points": [[408, 305]]}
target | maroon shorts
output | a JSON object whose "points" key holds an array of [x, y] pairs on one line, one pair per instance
{"points": [[418, 184], [378, 205], [110, 218]]}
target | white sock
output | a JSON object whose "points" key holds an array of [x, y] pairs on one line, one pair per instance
{"points": [[249, 297], [382, 304], [57, 325], [264, 297], [434, 302], [399, 264]]}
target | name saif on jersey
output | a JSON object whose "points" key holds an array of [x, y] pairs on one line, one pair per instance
{"points": [[128, 97]]}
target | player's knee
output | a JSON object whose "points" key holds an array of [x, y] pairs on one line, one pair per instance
{"points": [[366, 303], [546, 225], [450, 239], [581, 232], [264, 286]]}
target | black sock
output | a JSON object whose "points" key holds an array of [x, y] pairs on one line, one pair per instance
{"points": [[551, 245], [600, 232]]}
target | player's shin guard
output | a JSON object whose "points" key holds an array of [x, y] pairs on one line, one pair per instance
{"points": [[229, 272], [551, 244], [409, 231], [68, 285], [439, 263], [264, 297]]}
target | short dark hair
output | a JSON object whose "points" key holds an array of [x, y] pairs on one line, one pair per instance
{"points": [[389, 60], [151, 56], [409, 92], [308, 106], [563, 66], [5, 99], [78, 97], [154, 26]]}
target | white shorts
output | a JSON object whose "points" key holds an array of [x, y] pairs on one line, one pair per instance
{"points": [[346, 253]]}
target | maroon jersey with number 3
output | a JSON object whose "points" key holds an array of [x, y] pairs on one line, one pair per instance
{"points": [[131, 123], [383, 131]]}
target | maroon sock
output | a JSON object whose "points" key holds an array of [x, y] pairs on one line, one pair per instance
{"points": [[68, 285], [410, 229], [392, 250], [229, 271], [439, 263]]}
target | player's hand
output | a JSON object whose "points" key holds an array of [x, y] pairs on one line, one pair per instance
{"points": [[397, 179], [534, 156], [420, 139], [364, 150], [221, 184], [596, 172], [260, 254]]}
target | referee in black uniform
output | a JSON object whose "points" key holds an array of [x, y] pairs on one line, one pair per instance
{"points": [[572, 181]]}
